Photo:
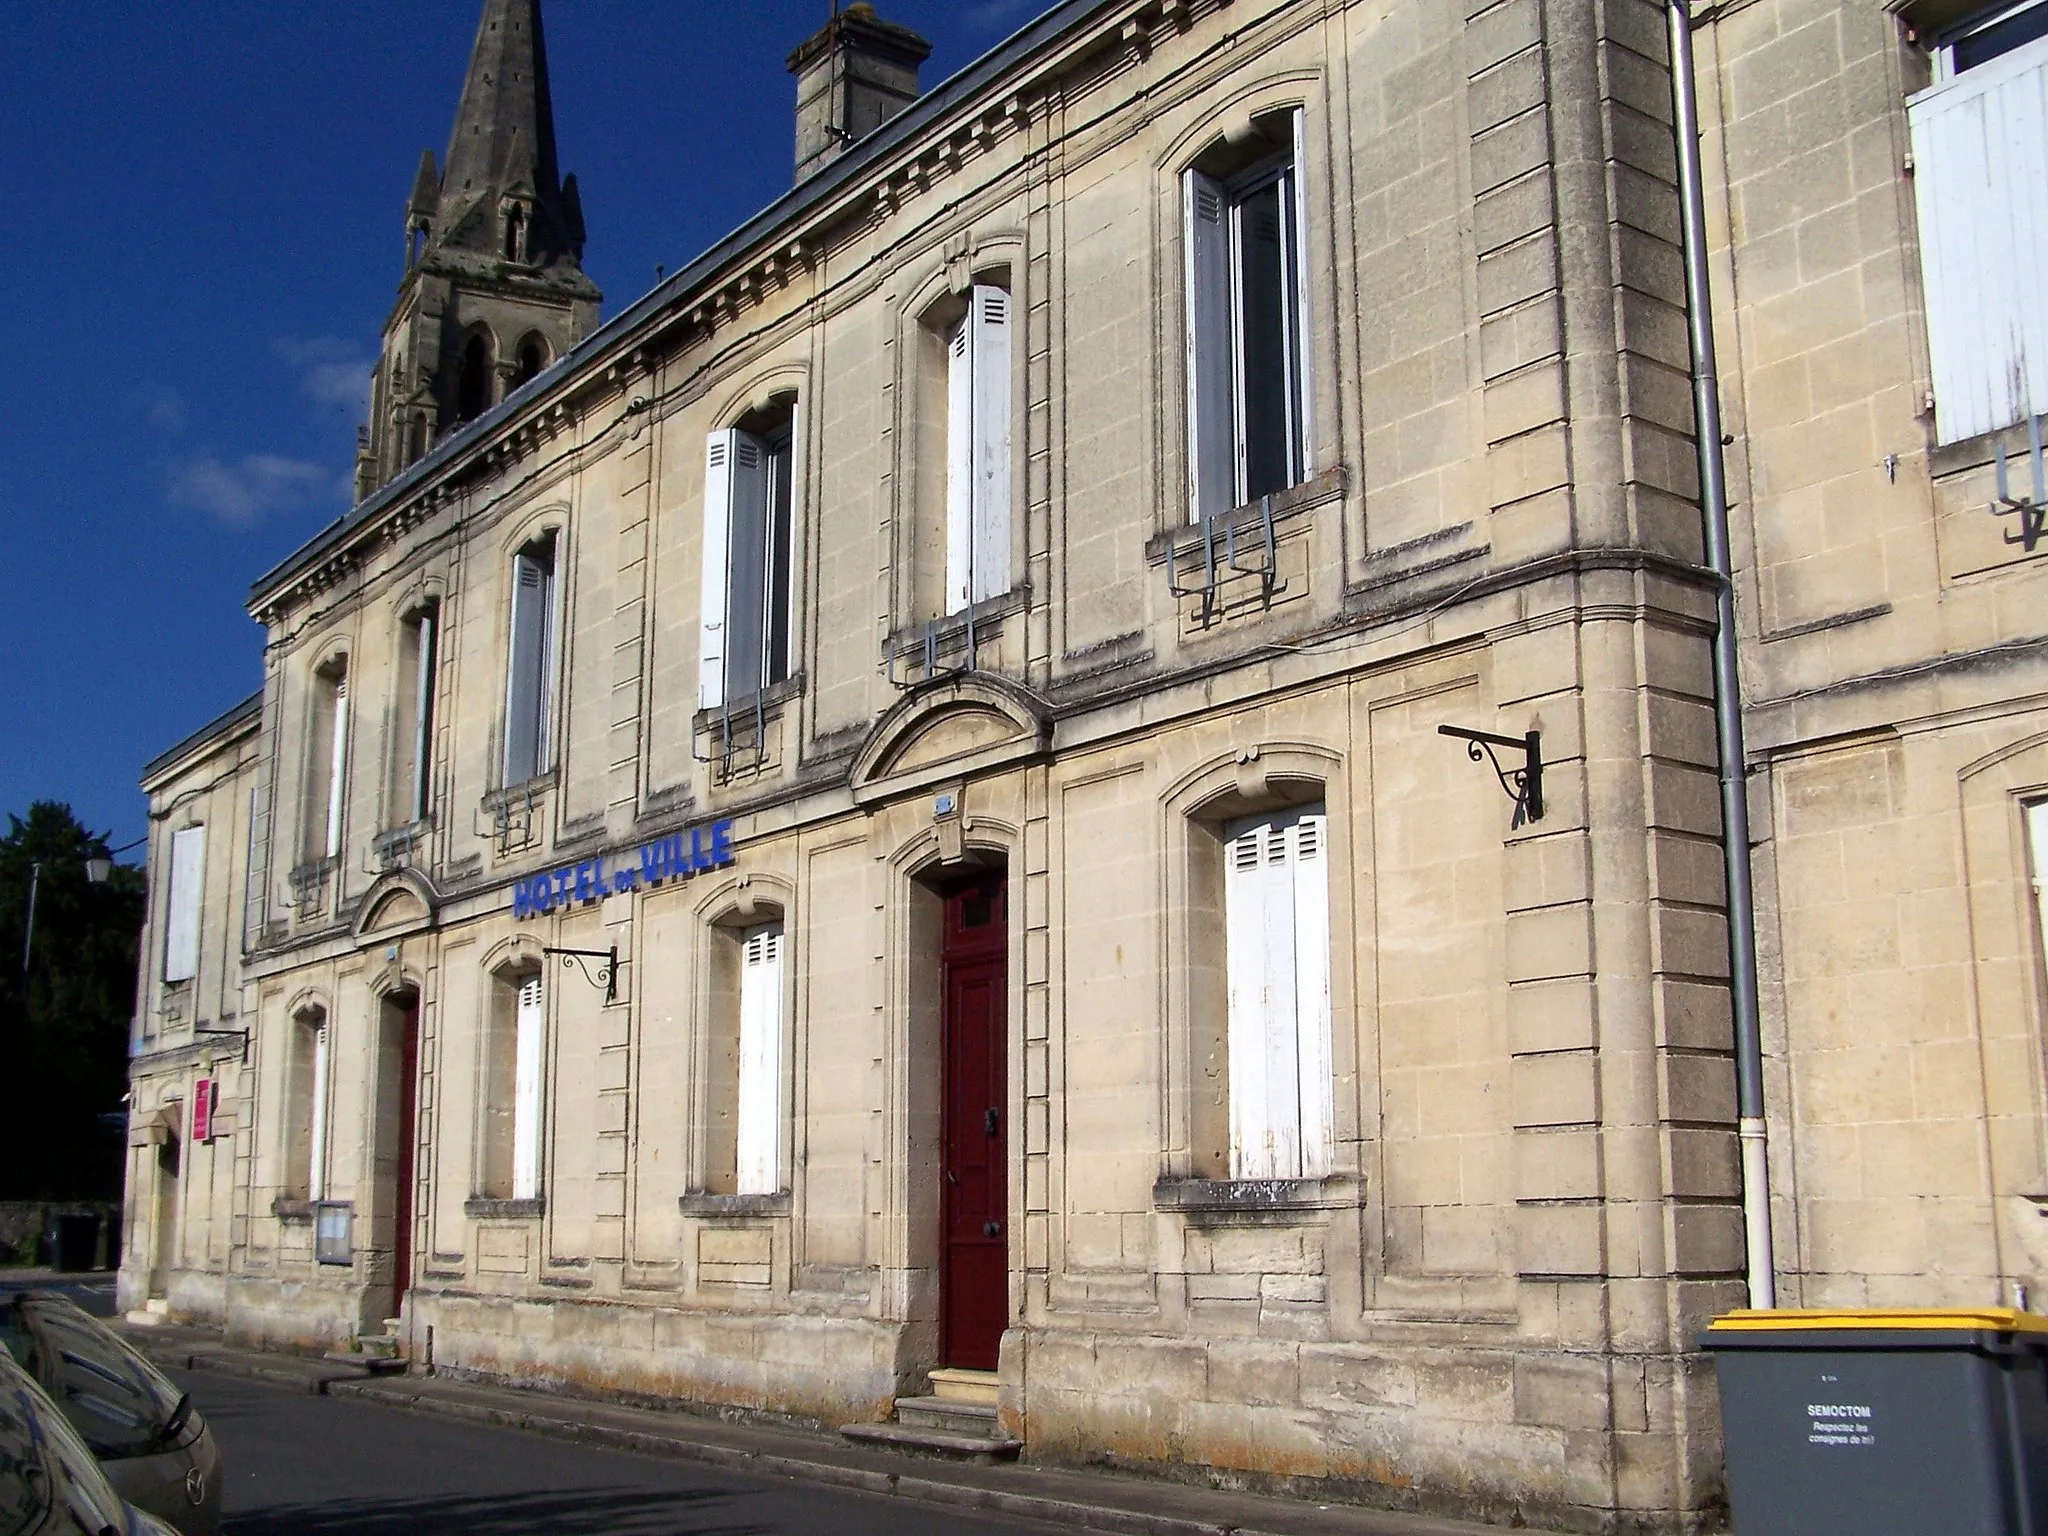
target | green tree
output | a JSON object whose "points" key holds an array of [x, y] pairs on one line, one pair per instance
{"points": [[64, 1016]]}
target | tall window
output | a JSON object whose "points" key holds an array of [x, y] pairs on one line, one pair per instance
{"points": [[978, 449], [744, 1094], [1981, 201], [327, 765], [512, 1090], [305, 1100], [744, 643], [1247, 371], [182, 909], [412, 776], [1276, 898], [530, 663], [533, 357]]}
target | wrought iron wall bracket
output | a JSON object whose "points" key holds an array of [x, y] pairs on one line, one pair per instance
{"points": [[605, 961], [229, 1034], [1524, 785], [2032, 510]]}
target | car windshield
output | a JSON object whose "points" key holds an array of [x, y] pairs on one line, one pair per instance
{"points": [[119, 1401], [24, 1484], [45, 1468]]}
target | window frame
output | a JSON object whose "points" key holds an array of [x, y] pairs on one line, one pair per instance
{"points": [[539, 677], [763, 493], [1221, 476], [1946, 42], [184, 904], [979, 348]]}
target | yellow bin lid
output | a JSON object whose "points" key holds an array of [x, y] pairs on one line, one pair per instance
{"points": [[1969, 1319]]}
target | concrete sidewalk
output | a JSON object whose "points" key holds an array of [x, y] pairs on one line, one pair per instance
{"points": [[1083, 1499]]}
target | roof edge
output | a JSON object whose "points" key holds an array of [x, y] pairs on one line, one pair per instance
{"points": [[221, 727]]}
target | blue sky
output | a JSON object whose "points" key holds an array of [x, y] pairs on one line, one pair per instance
{"points": [[205, 210]]}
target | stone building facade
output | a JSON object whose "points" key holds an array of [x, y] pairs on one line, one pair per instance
{"points": [[959, 668]]}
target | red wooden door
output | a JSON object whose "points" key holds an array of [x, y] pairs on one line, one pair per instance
{"points": [[408, 1139], [974, 1280]]}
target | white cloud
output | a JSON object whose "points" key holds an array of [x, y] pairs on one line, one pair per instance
{"points": [[242, 494], [331, 371]]}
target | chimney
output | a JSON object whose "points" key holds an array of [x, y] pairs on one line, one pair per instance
{"points": [[854, 75]]}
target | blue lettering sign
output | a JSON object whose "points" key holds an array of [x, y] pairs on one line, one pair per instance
{"points": [[651, 864]]}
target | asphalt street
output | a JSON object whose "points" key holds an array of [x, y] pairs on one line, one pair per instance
{"points": [[300, 1465], [94, 1292]]}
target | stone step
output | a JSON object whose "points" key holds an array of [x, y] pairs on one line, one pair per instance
{"points": [[963, 1386], [934, 1442], [375, 1352], [152, 1312], [953, 1417]]}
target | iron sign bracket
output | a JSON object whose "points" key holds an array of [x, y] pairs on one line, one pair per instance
{"points": [[599, 967], [1524, 785]]}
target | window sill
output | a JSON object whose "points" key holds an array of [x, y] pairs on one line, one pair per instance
{"points": [[488, 1208], [1223, 1200], [1245, 520], [701, 1203], [769, 699], [526, 791], [292, 1210]]}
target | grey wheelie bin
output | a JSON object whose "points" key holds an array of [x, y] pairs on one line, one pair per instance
{"points": [[1889, 1423]]}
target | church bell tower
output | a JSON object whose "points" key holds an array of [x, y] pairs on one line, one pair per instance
{"points": [[494, 289]]}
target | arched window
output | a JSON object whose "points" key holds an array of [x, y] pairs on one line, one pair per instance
{"points": [[473, 389], [515, 235], [533, 357]]}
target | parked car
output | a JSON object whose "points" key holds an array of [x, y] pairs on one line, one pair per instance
{"points": [[153, 1445], [50, 1485]]}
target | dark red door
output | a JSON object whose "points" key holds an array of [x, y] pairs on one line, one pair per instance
{"points": [[974, 1280], [408, 1138]]}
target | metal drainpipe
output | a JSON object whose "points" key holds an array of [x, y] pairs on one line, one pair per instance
{"points": [[1706, 392]]}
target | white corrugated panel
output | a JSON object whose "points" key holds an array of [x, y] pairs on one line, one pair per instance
{"points": [[1980, 182], [759, 1122], [526, 1092], [181, 917]]}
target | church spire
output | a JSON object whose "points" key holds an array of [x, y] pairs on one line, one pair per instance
{"points": [[494, 289], [501, 191]]}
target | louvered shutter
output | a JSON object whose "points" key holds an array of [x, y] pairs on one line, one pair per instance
{"points": [[2037, 834], [1212, 469], [960, 465], [711, 622], [1980, 187], [759, 1121], [1299, 329], [182, 910], [989, 324], [337, 769], [316, 1119], [526, 1092], [526, 667], [1259, 920], [749, 610], [1309, 838]]}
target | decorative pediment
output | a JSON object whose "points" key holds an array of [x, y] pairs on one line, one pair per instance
{"points": [[950, 729], [400, 903]]}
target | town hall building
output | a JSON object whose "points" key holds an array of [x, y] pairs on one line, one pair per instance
{"points": [[1070, 789]]}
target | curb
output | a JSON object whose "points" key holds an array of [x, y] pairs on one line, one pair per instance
{"points": [[276, 1372], [922, 1490]]}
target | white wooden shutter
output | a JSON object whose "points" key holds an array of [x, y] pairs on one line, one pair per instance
{"points": [[711, 603], [1980, 186], [182, 910], [526, 1042], [748, 602], [526, 667], [1298, 332], [316, 1120], [1276, 912], [2037, 835], [989, 321], [960, 465], [1310, 837], [1212, 469], [423, 712], [337, 768], [759, 1121]]}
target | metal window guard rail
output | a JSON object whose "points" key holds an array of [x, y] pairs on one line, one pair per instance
{"points": [[1213, 574], [2033, 511], [728, 743], [930, 636]]}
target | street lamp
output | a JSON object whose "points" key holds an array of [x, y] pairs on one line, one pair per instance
{"points": [[99, 865]]}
